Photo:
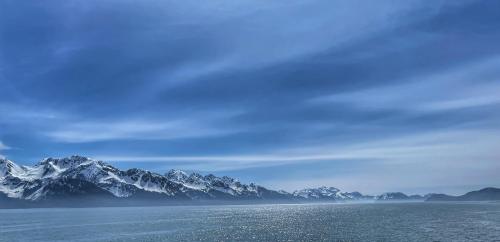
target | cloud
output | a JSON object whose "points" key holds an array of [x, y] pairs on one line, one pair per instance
{"points": [[431, 147], [264, 35], [473, 85], [227, 162], [3, 147], [133, 130], [13, 113]]}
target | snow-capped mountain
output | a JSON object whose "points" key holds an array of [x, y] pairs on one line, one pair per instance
{"points": [[329, 193], [78, 179], [77, 176], [392, 196], [214, 186], [397, 196]]}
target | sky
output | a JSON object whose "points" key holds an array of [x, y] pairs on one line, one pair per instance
{"points": [[369, 96]]}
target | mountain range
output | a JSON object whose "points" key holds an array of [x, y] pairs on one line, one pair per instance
{"points": [[82, 181], [485, 194]]}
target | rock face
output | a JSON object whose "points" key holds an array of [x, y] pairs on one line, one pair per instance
{"points": [[485, 194]]}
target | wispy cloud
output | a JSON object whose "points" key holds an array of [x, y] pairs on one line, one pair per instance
{"points": [[478, 100], [133, 130], [466, 86], [432, 148], [3, 147], [14, 113], [275, 40], [227, 162]]}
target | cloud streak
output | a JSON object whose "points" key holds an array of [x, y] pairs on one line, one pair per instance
{"points": [[423, 148], [275, 40], [425, 93], [133, 130], [3, 147]]}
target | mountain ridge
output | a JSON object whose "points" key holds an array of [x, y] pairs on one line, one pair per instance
{"points": [[89, 182], [56, 178], [485, 194]]}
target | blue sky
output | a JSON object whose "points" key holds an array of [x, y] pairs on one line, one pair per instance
{"points": [[371, 96]]}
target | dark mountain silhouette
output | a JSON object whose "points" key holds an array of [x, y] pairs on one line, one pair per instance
{"points": [[485, 194]]}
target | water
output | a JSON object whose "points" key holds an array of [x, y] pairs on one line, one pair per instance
{"points": [[306, 222]]}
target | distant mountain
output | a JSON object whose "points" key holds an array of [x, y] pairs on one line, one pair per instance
{"points": [[393, 196], [81, 181], [329, 193], [486, 194], [417, 197]]}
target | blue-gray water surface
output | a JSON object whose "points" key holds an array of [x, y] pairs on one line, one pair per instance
{"points": [[304, 222]]}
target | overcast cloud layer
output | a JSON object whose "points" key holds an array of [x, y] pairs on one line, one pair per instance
{"points": [[362, 95]]}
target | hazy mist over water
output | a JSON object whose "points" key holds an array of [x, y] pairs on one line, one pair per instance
{"points": [[305, 222]]}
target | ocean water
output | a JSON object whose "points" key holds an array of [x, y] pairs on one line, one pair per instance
{"points": [[304, 222]]}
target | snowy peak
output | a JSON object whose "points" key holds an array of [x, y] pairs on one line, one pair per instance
{"points": [[68, 162], [5, 167], [396, 196], [318, 193], [329, 193], [214, 186], [8, 167], [177, 175]]}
